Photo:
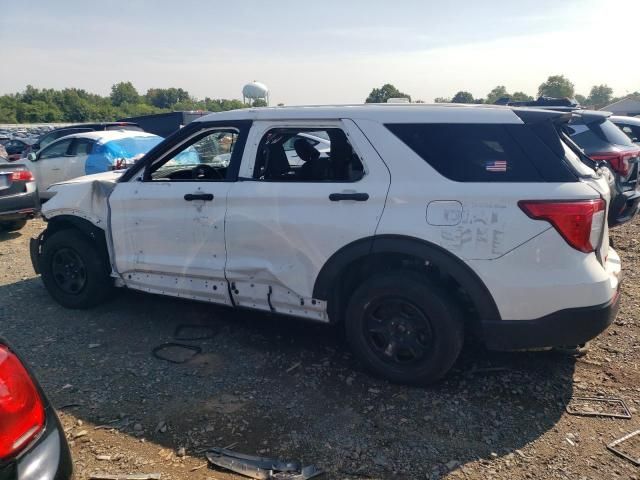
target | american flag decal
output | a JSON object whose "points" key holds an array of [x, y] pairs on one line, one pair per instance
{"points": [[496, 166]]}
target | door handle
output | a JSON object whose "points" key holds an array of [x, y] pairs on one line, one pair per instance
{"points": [[358, 197], [55, 169], [190, 197]]}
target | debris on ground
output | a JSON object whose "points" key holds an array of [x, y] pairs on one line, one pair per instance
{"points": [[598, 407], [134, 476], [261, 468], [176, 352], [628, 447]]}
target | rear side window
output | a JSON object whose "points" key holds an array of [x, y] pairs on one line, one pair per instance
{"points": [[473, 152]]}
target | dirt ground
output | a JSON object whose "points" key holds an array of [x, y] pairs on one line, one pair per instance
{"points": [[269, 385]]}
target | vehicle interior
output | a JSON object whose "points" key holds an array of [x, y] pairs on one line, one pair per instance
{"points": [[339, 164], [206, 158]]}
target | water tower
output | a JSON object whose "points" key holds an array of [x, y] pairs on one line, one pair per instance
{"points": [[255, 91]]}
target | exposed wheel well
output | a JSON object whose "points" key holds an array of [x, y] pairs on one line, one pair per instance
{"points": [[354, 263], [93, 233]]}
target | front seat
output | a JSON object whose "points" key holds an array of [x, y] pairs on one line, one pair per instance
{"points": [[314, 167], [277, 164]]}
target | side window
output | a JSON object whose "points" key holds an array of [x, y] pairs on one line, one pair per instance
{"points": [[469, 152], [82, 146], [307, 155], [204, 157], [58, 149]]}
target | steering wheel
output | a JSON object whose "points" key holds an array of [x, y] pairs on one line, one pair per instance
{"points": [[205, 172]]}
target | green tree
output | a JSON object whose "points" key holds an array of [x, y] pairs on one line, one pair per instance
{"points": [[496, 94], [259, 102], [462, 97], [124, 92], [384, 93], [557, 86], [520, 97], [167, 97], [581, 99], [600, 95]]}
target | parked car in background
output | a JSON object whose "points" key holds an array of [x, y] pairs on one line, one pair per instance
{"points": [[32, 442], [602, 141], [606, 146], [422, 224], [57, 133], [87, 153], [629, 125], [16, 146], [18, 196], [165, 124]]}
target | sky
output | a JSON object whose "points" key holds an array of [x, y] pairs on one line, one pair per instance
{"points": [[329, 51]]}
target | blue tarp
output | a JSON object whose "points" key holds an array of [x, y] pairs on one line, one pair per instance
{"points": [[104, 155]]}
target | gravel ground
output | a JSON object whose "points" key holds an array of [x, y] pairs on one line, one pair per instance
{"points": [[269, 385]]}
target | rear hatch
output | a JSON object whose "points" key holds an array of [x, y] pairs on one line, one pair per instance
{"points": [[552, 130]]}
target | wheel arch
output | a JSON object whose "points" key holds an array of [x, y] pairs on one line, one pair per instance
{"points": [[369, 255]]}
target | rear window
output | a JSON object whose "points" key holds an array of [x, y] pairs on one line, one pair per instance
{"points": [[597, 135], [482, 152]]}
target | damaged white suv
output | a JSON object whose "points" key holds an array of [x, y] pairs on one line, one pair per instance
{"points": [[419, 225]]}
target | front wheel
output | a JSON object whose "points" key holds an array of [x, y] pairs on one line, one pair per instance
{"points": [[402, 327], [74, 270]]}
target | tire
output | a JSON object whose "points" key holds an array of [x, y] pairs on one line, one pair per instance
{"points": [[404, 328], [75, 270], [13, 226]]}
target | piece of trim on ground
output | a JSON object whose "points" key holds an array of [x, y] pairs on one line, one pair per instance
{"points": [[261, 468], [156, 351], [587, 412], [613, 447]]}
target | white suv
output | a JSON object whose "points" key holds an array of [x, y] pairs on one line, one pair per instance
{"points": [[420, 224]]}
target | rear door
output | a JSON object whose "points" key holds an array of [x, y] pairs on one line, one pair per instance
{"points": [[281, 227], [75, 165]]}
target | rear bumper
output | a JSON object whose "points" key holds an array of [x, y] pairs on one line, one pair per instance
{"points": [[19, 206], [572, 326]]}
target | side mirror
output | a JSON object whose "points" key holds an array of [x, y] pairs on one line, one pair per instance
{"points": [[32, 156]]}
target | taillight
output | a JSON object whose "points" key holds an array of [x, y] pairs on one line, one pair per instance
{"points": [[22, 175], [579, 222], [21, 410], [619, 161]]}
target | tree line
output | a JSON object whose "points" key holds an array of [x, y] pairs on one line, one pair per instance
{"points": [[557, 86], [75, 105]]}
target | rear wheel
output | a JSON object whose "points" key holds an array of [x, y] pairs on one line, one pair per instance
{"points": [[13, 225], [74, 270], [403, 327]]}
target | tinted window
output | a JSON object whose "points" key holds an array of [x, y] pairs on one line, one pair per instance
{"points": [[597, 135], [56, 150], [471, 152], [82, 146], [607, 130]]}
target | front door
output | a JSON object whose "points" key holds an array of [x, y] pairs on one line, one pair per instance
{"points": [[286, 219], [50, 165], [167, 225]]}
